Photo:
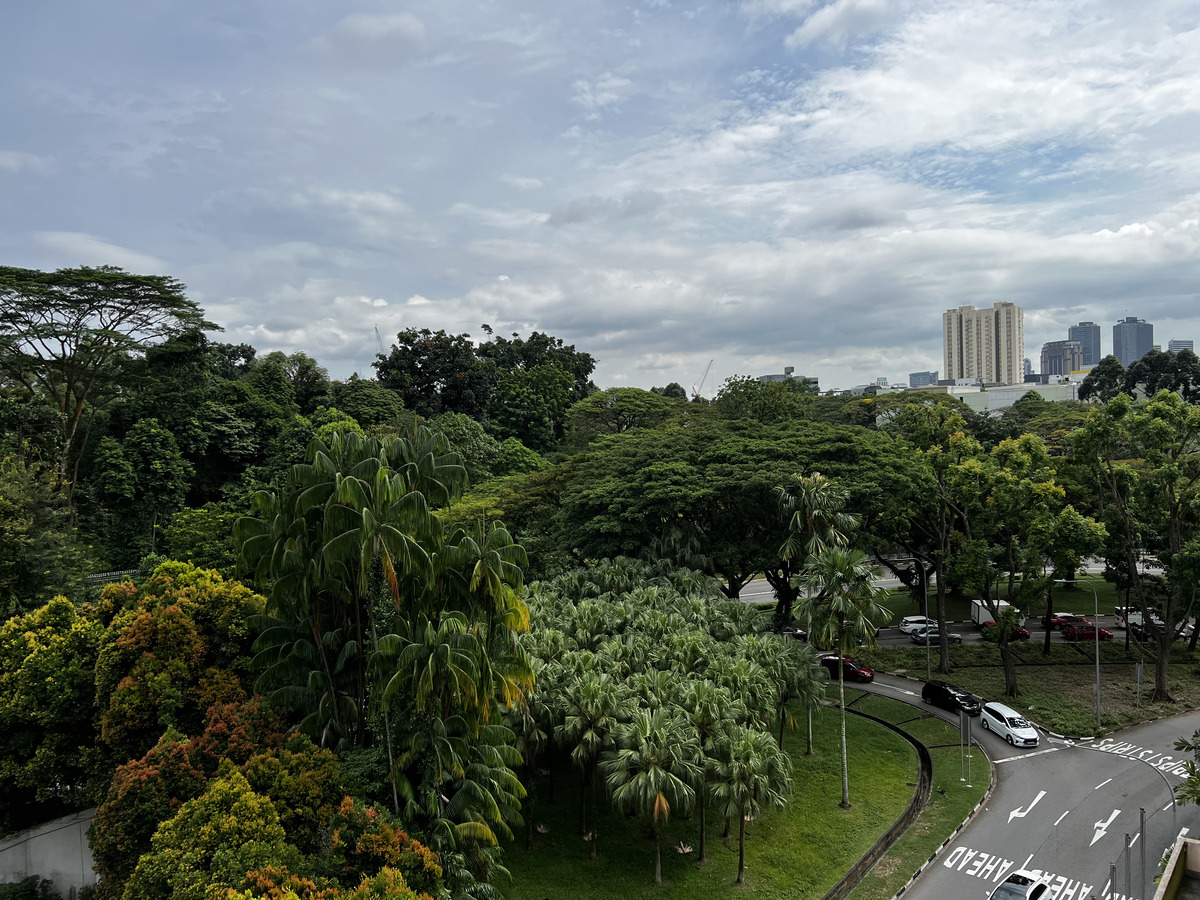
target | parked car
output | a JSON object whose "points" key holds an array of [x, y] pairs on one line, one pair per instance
{"points": [[909, 624], [947, 696], [1008, 724], [1021, 885], [1061, 620], [1128, 615], [1016, 634], [1086, 632], [851, 669], [931, 635]]}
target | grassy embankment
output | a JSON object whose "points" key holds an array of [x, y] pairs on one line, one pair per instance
{"points": [[797, 852]]}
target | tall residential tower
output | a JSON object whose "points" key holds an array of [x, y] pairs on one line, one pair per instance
{"points": [[985, 344]]}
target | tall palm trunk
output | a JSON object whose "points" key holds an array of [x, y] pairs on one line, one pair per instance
{"points": [[741, 879], [595, 823], [657, 855], [845, 758], [808, 752]]}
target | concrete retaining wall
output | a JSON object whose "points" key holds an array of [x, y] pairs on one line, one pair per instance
{"points": [[57, 850]]}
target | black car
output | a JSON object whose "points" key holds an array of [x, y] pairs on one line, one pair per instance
{"points": [[947, 696]]}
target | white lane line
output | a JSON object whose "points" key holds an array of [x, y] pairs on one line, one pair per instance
{"points": [[1135, 837], [1168, 806], [1028, 859], [1102, 784], [1026, 755], [1060, 818]]}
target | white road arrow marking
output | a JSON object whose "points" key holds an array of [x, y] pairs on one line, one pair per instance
{"points": [[1102, 827], [1020, 813]]}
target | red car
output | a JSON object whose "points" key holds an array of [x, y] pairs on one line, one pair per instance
{"points": [[1016, 634], [851, 670], [1086, 632], [1061, 620]]}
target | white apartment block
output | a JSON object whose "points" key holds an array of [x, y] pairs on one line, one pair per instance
{"points": [[987, 344]]}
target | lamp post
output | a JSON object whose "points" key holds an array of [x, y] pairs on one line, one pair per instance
{"points": [[1096, 628]]}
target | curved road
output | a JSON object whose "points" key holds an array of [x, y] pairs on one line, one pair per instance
{"points": [[1066, 808]]}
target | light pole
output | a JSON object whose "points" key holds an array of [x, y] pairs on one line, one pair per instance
{"points": [[1096, 627]]}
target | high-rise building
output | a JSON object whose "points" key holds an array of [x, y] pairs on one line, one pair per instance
{"points": [[1061, 357], [1088, 334], [1174, 346], [987, 344], [922, 379], [1133, 338]]}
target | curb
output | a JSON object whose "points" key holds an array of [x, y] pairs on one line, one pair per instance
{"points": [[965, 822]]}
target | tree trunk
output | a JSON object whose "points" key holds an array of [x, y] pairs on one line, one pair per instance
{"points": [[583, 784], [1010, 667], [741, 879], [595, 824], [845, 757], [657, 856], [703, 835], [940, 606], [1049, 613], [809, 751]]}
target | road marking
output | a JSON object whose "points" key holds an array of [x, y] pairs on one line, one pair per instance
{"points": [[1102, 826], [1020, 813], [1102, 784], [1026, 755], [1060, 818], [981, 864], [1135, 837], [1170, 765], [1168, 806]]}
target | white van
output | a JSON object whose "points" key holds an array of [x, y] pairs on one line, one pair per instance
{"points": [[1008, 724]]}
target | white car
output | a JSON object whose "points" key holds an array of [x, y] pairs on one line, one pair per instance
{"points": [[912, 624], [1008, 724], [1021, 885]]}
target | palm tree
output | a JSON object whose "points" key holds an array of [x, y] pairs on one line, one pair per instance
{"points": [[843, 609], [589, 727], [813, 507], [750, 772], [653, 771], [707, 708]]}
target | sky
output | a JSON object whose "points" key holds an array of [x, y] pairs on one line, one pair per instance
{"points": [[686, 191]]}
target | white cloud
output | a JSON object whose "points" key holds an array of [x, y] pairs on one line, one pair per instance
{"points": [[72, 248], [524, 182], [15, 161], [844, 20], [595, 96], [374, 39]]}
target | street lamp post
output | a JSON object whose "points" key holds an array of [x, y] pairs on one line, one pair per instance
{"points": [[1096, 624]]}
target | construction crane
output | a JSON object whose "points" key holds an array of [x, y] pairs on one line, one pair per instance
{"points": [[695, 392], [379, 341]]}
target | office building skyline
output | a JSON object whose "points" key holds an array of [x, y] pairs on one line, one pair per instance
{"points": [[1061, 357], [1133, 338], [1088, 334]]}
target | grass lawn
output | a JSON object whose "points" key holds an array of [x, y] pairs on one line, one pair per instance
{"points": [[951, 801], [799, 851]]}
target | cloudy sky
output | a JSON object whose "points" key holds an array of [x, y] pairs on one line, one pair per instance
{"points": [[759, 183]]}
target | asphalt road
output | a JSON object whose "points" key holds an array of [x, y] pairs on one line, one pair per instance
{"points": [[1066, 809]]}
